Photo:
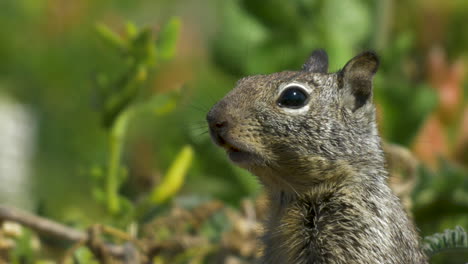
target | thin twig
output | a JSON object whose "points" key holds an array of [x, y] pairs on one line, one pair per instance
{"points": [[41, 225], [51, 228], [122, 235]]}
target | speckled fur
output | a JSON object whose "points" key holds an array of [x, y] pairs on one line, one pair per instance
{"points": [[323, 170]]}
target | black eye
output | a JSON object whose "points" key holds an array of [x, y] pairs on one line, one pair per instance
{"points": [[293, 97]]}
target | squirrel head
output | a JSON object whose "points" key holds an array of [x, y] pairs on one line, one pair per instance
{"points": [[300, 127]]}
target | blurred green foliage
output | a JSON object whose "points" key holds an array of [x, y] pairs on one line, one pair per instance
{"points": [[84, 96], [140, 52]]}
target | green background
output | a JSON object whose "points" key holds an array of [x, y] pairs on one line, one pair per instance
{"points": [[50, 56]]}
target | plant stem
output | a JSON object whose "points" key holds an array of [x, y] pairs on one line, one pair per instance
{"points": [[116, 141]]}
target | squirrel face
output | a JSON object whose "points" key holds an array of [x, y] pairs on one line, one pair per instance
{"points": [[295, 125]]}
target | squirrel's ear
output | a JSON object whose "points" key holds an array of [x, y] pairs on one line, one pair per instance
{"points": [[317, 62], [356, 78]]}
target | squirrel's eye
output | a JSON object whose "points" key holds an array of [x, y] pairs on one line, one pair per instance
{"points": [[293, 97]]}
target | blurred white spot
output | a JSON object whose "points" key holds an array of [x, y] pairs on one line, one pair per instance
{"points": [[17, 142]]}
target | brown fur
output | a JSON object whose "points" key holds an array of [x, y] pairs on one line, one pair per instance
{"points": [[322, 165]]}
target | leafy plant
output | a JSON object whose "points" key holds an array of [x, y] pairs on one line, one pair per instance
{"points": [[443, 191], [174, 177], [451, 239], [119, 105]]}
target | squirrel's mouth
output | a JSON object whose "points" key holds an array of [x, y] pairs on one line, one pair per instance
{"points": [[237, 155], [236, 151]]}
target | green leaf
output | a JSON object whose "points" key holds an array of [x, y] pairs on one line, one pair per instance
{"points": [[158, 104], [99, 194], [167, 39], [161, 104], [123, 174], [24, 249], [450, 239], [142, 48], [110, 38], [128, 87], [131, 29], [126, 209], [174, 178], [83, 255], [96, 172]]}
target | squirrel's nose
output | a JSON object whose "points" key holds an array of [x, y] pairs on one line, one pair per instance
{"points": [[218, 125]]}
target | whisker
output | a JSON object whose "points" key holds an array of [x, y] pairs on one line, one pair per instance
{"points": [[198, 122], [199, 130], [197, 125], [213, 101], [201, 134], [201, 123], [197, 107]]}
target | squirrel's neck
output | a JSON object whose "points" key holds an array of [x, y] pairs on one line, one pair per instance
{"points": [[346, 186], [310, 173], [348, 220]]}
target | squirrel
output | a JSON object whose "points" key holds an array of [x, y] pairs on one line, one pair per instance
{"points": [[311, 139]]}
